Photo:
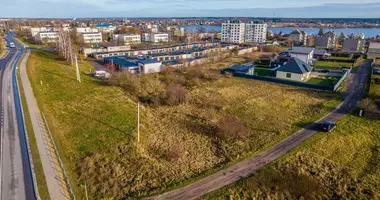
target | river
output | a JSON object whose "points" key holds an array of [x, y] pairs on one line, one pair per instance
{"points": [[368, 32]]}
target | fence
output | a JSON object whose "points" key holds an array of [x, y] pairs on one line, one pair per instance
{"points": [[295, 83], [372, 115]]}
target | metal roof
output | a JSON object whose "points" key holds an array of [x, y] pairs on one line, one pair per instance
{"points": [[297, 66], [300, 50]]}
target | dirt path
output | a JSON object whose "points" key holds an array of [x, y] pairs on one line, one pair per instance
{"points": [[356, 85]]}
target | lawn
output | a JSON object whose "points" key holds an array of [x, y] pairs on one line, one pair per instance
{"points": [[331, 65], [339, 58], [94, 126], [262, 71], [344, 164], [375, 89], [325, 81]]}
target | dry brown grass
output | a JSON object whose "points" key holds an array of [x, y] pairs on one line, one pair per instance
{"points": [[94, 125]]}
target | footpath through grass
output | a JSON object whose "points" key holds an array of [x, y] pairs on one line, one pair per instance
{"points": [[38, 170], [94, 126]]}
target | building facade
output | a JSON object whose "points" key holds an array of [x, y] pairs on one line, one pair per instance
{"points": [[353, 45], [373, 51], [129, 39], [155, 37], [91, 37], [46, 37], [86, 30], [256, 32], [233, 31], [326, 41], [298, 37]]}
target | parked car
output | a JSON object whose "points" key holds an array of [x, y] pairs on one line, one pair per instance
{"points": [[324, 71], [328, 126], [376, 71]]}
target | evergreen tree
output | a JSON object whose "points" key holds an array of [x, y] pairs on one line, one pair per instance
{"points": [[320, 32]]}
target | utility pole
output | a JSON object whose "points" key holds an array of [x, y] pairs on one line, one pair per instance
{"points": [[77, 69]]}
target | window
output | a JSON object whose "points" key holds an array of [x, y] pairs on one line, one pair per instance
{"points": [[288, 75]]}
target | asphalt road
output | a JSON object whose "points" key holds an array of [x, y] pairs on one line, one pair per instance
{"points": [[15, 174], [243, 169]]}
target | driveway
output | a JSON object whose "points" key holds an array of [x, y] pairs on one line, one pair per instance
{"points": [[243, 169]]}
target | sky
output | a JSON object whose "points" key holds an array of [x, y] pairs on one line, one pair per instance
{"points": [[190, 8]]}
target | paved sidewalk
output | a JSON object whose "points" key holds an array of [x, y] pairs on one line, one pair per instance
{"points": [[53, 173]]}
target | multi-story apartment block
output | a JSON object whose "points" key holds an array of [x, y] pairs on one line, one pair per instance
{"points": [[298, 37], [35, 31], [46, 37], [91, 37], [233, 31], [326, 41], [355, 45], [255, 31], [155, 37], [86, 30], [129, 39]]}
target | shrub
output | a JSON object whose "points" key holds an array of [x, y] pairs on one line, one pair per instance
{"points": [[368, 105], [176, 94], [230, 127], [125, 80]]}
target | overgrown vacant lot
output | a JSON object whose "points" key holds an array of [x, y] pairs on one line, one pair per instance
{"points": [[216, 121], [344, 164]]}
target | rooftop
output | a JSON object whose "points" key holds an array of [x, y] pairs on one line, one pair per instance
{"points": [[297, 66], [300, 50]]}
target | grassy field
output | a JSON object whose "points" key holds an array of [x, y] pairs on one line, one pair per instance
{"points": [[326, 81], [344, 164], [40, 176], [375, 89], [331, 65], [339, 58], [94, 126]]}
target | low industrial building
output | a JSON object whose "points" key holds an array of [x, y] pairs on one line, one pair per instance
{"points": [[295, 69], [106, 27], [106, 49], [91, 38], [144, 66]]}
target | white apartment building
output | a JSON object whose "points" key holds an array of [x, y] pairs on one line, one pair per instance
{"points": [[91, 37], [233, 31], [46, 37], [255, 31], [155, 37], [129, 39], [86, 30], [34, 31]]}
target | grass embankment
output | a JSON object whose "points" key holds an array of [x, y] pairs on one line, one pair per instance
{"points": [[344, 164], [94, 125], [331, 65], [38, 170], [30, 42]]}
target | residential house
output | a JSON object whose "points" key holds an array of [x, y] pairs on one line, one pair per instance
{"points": [[95, 37], [246, 68], [298, 37], [321, 54], [373, 51], [326, 41], [303, 53], [295, 70], [353, 45]]}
